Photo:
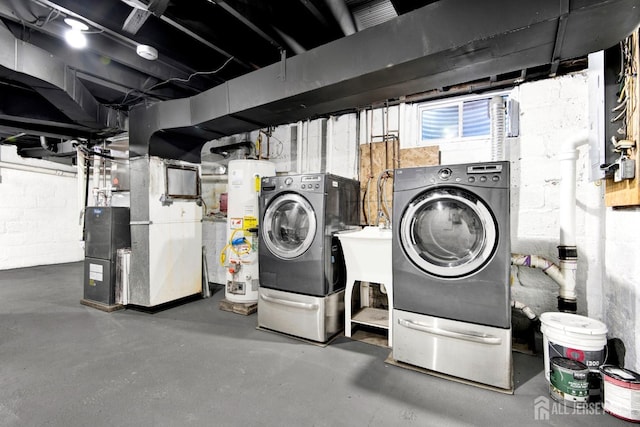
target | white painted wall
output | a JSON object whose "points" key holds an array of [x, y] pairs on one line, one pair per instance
{"points": [[621, 283], [310, 153], [39, 215], [342, 146]]}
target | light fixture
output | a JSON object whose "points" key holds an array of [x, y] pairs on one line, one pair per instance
{"points": [[147, 52], [75, 36]]}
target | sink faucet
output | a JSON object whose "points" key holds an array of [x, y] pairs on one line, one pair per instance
{"points": [[384, 221]]}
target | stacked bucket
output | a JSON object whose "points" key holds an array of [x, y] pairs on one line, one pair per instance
{"points": [[575, 352]]}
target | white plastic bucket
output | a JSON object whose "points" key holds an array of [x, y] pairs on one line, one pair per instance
{"points": [[574, 337]]}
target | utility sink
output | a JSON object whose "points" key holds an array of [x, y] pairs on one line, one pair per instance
{"points": [[367, 253], [367, 256]]}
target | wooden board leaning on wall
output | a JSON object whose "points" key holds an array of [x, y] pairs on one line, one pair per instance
{"points": [[375, 158], [627, 192]]}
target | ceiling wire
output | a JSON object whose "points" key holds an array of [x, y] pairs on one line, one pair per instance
{"points": [[144, 91], [39, 23], [197, 73]]}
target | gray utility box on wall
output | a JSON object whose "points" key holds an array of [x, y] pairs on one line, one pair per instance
{"points": [[106, 229]]}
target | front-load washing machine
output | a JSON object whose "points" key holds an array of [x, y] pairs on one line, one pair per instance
{"points": [[451, 267], [301, 267]]}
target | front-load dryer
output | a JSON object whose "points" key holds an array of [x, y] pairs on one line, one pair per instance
{"points": [[301, 267], [451, 267]]}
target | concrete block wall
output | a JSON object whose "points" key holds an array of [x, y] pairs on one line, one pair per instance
{"points": [[621, 283], [608, 243], [39, 215], [552, 111]]}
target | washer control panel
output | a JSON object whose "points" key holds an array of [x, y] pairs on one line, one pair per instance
{"points": [[294, 183], [487, 174], [310, 182]]}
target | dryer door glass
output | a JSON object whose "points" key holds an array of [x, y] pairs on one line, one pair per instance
{"points": [[448, 232], [289, 226]]}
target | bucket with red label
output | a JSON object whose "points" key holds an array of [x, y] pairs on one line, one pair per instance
{"points": [[621, 392], [578, 338]]}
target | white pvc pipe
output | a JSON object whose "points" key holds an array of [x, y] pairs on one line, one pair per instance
{"points": [[567, 156], [37, 169], [568, 269], [535, 261], [531, 315]]}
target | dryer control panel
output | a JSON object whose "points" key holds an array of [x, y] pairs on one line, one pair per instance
{"points": [[491, 175], [485, 173]]}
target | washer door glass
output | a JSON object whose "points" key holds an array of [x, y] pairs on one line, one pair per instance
{"points": [[448, 232], [289, 226]]}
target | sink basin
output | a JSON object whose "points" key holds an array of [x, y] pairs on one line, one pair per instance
{"points": [[367, 254]]}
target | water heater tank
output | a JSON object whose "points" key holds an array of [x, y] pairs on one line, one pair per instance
{"points": [[240, 255]]}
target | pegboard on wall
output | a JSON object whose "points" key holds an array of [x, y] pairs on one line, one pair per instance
{"points": [[375, 158], [627, 191]]}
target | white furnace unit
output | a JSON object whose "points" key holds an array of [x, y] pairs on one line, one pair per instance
{"points": [[166, 231]]}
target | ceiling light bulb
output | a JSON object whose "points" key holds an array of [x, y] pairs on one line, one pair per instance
{"points": [[75, 39]]}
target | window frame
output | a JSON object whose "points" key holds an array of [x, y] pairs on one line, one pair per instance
{"points": [[459, 102]]}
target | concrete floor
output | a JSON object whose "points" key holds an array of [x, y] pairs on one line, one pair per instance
{"points": [[66, 364]]}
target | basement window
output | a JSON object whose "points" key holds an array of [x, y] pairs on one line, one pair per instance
{"points": [[461, 119]]}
